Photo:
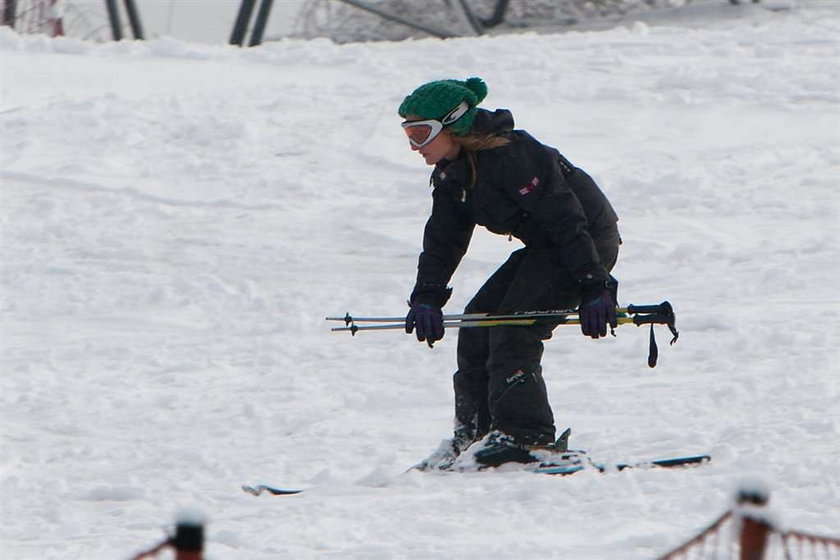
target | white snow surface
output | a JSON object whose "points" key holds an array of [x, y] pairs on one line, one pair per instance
{"points": [[178, 219]]}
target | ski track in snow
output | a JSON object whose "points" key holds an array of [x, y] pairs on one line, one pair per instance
{"points": [[178, 219]]}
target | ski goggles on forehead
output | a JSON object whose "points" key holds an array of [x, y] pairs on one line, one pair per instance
{"points": [[420, 133]]}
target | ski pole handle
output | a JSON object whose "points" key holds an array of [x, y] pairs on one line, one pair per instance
{"points": [[663, 307]]}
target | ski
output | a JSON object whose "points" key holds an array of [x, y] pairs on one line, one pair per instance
{"points": [[568, 465], [582, 463], [260, 489]]}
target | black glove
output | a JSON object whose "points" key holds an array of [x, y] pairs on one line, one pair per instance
{"points": [[427, 319], [598, 310]]}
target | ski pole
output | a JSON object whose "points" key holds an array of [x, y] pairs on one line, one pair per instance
{"points": [[471, 324], [559, 313], [654, 314], [661, 309]]}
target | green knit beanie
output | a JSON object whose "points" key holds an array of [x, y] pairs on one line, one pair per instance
{"points": [[435, 99]]}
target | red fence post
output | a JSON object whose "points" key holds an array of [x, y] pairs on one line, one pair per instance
{"points": [[56, 21], [753, 538], [754, 528]]}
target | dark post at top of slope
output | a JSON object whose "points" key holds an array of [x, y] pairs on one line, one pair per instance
{"points": [[9, 13], [259, 25], [243, 18]]}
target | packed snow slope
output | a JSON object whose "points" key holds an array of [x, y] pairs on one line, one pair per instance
{"points": [[178, 219]]}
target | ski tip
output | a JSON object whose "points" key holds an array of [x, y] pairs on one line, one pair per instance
{"points": [[259, 489], [683, 461]]}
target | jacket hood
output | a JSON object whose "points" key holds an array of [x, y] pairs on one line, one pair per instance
{"points": [[492, 122]]}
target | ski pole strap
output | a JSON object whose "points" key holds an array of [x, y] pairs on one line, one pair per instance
{"points": [[653, 351]]}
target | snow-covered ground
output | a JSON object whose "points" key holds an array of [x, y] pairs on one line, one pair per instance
{"points": [[178, 219]]}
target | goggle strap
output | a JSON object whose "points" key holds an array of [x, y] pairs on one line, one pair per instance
{"points": [[455, 113]]}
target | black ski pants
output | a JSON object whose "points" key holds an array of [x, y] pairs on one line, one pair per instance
{"points": [[499, 383]]}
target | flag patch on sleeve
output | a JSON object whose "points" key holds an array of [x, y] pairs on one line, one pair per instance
{"points": [[530, 187]]}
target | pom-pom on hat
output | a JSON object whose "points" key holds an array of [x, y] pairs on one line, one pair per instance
{"points": [[435, 99]]}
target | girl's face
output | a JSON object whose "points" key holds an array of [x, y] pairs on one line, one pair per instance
{"points": [[442, 147]]}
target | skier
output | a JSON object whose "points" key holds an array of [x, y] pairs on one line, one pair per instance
{"points": [[489, 174]]}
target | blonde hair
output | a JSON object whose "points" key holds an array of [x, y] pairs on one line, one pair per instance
{"points": [[479, 142], [472, 143]]}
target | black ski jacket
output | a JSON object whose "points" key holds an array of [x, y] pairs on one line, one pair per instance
{"points": [[523, 189]]}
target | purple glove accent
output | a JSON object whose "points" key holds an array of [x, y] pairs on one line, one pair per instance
{"points": [[427, 319], [596, 314]]}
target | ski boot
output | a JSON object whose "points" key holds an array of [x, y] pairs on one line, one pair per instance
{"points": [[499, 448], [448, 451]]}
